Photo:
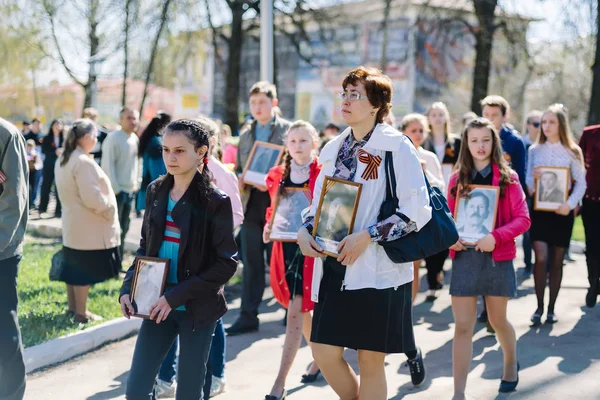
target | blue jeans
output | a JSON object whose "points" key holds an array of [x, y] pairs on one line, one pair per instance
{"points": [[216, 359], [12, 367], [153, 344]]}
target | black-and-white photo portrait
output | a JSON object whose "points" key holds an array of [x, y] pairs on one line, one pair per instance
{"points": [[551, 188], [263, 157], [287, 214], [149, 284], [336, 213], [476, 213]]}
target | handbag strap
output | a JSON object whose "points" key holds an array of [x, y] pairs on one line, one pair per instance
{"points": [[390, 179]]}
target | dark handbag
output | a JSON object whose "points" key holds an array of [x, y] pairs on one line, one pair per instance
{"points": [[437, 235], [56, 268]]}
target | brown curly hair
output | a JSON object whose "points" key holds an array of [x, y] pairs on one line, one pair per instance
{"points": [[378, 86]]}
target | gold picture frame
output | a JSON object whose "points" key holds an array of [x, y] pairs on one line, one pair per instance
{"points": [[263, 157], [149, 280], [286, 219], [336, 194], [490, 195], [558, 177]]}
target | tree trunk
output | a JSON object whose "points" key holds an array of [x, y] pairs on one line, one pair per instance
{"points": [[234, 59], [126, 54], [163, 21], [384, 28], [484, 38], [594, 114], [94, 45]]}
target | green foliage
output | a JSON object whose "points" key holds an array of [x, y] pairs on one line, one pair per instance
{"points": [[43, 304]]}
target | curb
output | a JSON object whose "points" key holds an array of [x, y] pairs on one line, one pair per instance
{"points": [[75, 344]]}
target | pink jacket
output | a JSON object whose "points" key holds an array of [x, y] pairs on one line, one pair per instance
{"points": [[513, 215]]}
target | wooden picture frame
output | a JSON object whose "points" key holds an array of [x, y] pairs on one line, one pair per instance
{"points": [[447, 170], [263, 157], [286, 219], [336, 194], [559, 191], [465, 231], [149, 280]]}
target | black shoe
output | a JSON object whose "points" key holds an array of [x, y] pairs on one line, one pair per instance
{"points": [[536, 318], [482, 317], [551, 318], [241, 326], [310, 378], [283, 396], [490, 328], [430, 298], [417, 369], [506, 386]]}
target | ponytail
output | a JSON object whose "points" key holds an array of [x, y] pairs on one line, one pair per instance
{"points": [[286, 170], [80, 128]]}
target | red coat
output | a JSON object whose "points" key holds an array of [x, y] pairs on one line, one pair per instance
{"points": [[513, 215], [277, 276]]}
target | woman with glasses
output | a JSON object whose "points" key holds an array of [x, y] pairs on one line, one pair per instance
{"points": [[363, 298]]}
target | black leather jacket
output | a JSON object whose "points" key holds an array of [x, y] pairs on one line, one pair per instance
{"points": [[207, 250]]}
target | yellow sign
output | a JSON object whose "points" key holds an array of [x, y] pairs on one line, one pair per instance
{"points": [[190, 100]]}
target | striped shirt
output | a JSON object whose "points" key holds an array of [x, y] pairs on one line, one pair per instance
{"points": [[170, 247]]}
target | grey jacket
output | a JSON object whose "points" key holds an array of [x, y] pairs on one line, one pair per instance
{"points": [[279, 127], [14, 192]]}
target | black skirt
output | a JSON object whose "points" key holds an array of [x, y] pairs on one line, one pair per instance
{"points": [[364, 319], [294, 265], [552, 228], [87, 267]]}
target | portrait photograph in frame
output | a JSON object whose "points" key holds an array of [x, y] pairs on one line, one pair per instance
{"points": [[551, 188], [475, 214], [336, 213], [287, 214], [263, 157], [148, 284]]}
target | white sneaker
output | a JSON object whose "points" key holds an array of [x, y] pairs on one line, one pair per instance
{"points": [[164, 389], [217, 386]]}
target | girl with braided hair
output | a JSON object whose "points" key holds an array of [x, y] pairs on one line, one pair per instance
{"points": [[291, 272], [189, 221]]}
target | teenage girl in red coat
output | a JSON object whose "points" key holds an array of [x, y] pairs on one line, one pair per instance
{"points": [[291, 272]]}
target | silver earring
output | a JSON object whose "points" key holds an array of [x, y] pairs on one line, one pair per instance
{"points": [[373, 113]]}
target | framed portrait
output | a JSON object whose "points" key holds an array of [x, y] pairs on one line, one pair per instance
{"points": [[263, 157], [447, 170], [551, 188], [287, 214], [475, 214], [148, 284], [336, 213]]}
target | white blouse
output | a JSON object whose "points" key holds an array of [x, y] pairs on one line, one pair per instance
{"points": [[556, 155], [433, 169]]}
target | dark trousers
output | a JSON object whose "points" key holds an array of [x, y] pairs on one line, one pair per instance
{"points": [[12, 367], [253, 274], [124, 209], [47, 184], [153, 344], [590, 213], [527, 249], [435, 265], [34, 184]]}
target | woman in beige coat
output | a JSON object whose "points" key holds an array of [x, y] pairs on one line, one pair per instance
{"points": [[91, 232]]}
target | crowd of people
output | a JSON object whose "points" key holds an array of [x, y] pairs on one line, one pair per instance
{"points": [[186, 178]]}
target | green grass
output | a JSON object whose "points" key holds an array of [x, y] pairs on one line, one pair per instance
{"points": [[43, 304], [578, 232]]}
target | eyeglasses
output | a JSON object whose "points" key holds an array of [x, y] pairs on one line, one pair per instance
{"points": [[352, 96]]}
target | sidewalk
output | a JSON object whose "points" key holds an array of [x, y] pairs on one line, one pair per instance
{"points": [[560, 361]]}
